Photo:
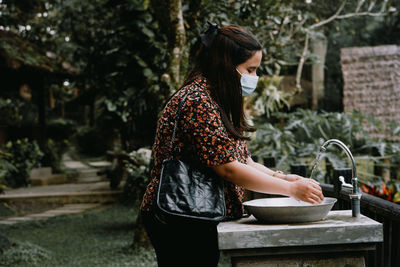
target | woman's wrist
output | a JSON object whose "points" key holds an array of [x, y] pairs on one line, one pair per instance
{"points": [[279, 174], [291, 190]]}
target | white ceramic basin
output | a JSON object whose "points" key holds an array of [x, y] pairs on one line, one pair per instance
{"points": [[288, 210]]}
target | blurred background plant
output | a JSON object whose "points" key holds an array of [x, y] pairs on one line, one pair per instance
{"points": [[388, 191], [138, 174], [9, 112], [267, 97], [6, 169], [60, 133], [17, 160]]}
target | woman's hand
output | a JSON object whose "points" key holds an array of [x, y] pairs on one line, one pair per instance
{"points": [[306, 190], [261, 180]]}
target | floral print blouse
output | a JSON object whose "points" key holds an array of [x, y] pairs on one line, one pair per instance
{"points": [[201, 136]]}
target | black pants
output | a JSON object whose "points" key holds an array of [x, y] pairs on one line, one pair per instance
{"points": [[182, 244]]}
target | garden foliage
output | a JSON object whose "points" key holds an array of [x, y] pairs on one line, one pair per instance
{"points": [[26, 253], [293, 138], [119, 53], [17, 160], [120, 48], [15, 112]]}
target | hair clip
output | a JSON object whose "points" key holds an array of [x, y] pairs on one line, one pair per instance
{"points": [[208, 36]]}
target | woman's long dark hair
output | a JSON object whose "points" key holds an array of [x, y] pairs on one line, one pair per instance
{"points": [[232, 46]]}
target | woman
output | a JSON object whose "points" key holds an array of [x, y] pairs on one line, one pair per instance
{"points": [[212, 131]]}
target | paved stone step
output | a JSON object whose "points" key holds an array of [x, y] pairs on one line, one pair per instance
{"points": [[82, 197], [76, 165], [85, 173], [100, 164], [88, 172], [90, 175], [51, 179], [98, 192], [44, 176], [64, 210], [40, 172], [91, 179]]}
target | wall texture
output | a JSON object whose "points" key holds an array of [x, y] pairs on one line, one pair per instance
{"points": [[371, 78]]}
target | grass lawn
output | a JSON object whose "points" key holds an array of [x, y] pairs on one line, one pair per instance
{"points": [[94, 238]]}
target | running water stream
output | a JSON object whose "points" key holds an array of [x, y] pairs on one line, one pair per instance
{"points": [[317, 159]]}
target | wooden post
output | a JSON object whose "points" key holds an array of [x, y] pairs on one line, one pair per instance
{"points": [[382, 169], [3, 134], [386, 169], [318, 47], [269, 162], [299, 169], [38, 85], [254, 158]]}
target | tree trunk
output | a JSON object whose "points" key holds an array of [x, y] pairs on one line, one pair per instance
{"points": [[140, 238], [38, 86], [178, 40], [170, 17]]}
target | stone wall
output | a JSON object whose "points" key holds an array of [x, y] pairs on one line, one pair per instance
{"points": [[371, 78]]}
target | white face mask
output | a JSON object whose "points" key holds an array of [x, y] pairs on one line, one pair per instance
{"points": [[248, 82]]}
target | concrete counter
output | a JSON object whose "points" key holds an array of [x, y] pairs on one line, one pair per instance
{"points": [[338, 239]]}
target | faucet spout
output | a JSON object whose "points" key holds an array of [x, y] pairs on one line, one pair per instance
{"points": [[355, 196], [346, 150]]}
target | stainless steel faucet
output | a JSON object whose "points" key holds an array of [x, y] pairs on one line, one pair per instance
{"points": [[355, 195]]}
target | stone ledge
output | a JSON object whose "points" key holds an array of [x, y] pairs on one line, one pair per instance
{"points": [[301, 261], [338, 228]]}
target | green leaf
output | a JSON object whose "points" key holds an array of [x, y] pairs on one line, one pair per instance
{"points": [[140, 61], [148, 32], [147, 72], [110, 106], [111, 51]]}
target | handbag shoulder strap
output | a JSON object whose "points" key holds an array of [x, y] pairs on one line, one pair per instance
{"points": [[178, 115]]}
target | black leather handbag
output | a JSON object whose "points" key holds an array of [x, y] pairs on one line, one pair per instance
{"points": [[189, 191]]}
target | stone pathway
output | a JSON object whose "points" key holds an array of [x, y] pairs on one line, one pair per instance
{"points": [[87, 192]]}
